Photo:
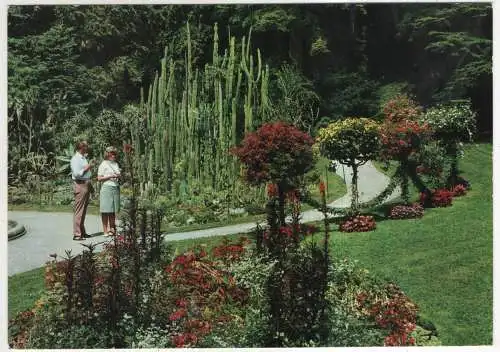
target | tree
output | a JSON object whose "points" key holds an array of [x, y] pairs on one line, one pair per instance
{"points": [[353, 142], [278, 153], [451, 124], [402, 134]]}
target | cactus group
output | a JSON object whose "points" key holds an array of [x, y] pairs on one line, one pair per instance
{"points": [[192, 119]]}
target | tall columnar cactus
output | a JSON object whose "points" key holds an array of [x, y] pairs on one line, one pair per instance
{"points": [[193, 119]]}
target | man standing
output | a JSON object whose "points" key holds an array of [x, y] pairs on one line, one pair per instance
{"points": [[81, 174]]}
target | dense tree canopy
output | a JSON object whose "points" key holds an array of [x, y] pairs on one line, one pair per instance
{"points": [[66, 64]]}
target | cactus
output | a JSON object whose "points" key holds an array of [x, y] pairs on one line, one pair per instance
{"points": [[192, 121]]}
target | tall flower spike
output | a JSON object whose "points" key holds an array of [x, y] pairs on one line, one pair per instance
{"points": [[272, 190], [322, 188]]}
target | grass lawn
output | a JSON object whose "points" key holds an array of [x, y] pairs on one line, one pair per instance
{"points": [[444, 261], [24, 289]]}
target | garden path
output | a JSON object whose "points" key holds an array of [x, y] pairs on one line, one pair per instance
{"points": [[47, 233]]}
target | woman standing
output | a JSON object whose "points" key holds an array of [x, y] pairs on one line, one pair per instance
{"points": [[109, 174]]}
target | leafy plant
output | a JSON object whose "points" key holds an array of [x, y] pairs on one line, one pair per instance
{"points": [[353, 142], [452, 124], [358, 223], [394, 312], [442, 198], [459, 190]]}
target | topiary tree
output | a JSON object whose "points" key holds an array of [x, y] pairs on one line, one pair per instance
{"points": [[278, 153], [451, 125], [352, 142], [401, 136]]}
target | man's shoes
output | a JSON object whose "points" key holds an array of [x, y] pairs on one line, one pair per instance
{"points": [[78, 238]]}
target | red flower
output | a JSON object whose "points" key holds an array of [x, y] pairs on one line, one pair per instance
{"points": [[459, 190], [182, 303], [272, 190], [322, 188], [182, 340], [177, 314]]}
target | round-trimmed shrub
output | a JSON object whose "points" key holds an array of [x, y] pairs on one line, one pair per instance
{"points": [[276, 152], [452, 122], [349, 140], [352, 142]]}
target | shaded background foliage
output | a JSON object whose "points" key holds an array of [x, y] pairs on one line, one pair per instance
{"points": [[67, 64]]}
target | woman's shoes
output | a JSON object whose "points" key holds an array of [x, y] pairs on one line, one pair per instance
{"points": [[78, 238]]}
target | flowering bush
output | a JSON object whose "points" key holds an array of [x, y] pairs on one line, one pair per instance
{"points": [[354, 138], [201, 290], [401, 138], [453, 122], [289, 234], [442, 198], [401, 108], [359, 223], [406, 211], [459, 190], [439, 198], [352, 141], [276, 152], [395, 312]]}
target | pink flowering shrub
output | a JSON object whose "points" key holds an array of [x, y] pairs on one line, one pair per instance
{"points": [[459, 190], [412, 211]]}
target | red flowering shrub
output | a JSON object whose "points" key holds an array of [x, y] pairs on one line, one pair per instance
{"points": [[276, 152], [401, 138], [459, 190], [290, 234], [439, 198], [209, 288], [442, 198], [400, 108], [395, 312], [401, 133], [406, 211], [228, 252], [358, 223]]}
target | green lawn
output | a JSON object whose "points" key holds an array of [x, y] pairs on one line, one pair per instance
{"points": [[24, 289], [444, 261]]}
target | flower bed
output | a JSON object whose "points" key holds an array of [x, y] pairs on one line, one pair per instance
{"points": [[217, 298], [402, 211], [358, 223], [440, 198]]}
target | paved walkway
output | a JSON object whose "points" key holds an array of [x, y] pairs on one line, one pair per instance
{"points": [[49, 233]]}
